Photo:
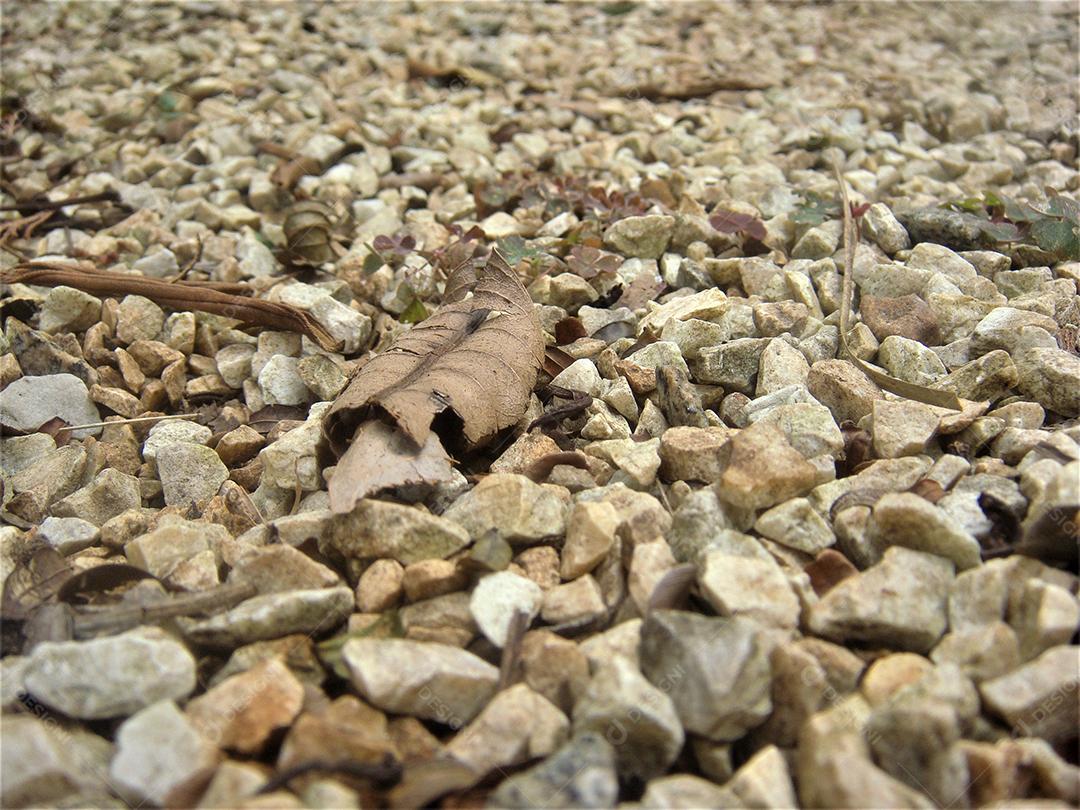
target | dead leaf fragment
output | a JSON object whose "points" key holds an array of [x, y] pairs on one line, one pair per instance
{"points": [[475, 360]]}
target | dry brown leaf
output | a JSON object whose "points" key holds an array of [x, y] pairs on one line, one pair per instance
{"points": [[475, 360], [645, 287]]}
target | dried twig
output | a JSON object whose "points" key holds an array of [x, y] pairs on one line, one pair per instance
{"points": [[118, 618], [511, 653], [131, 421], [180, 296], [386, 771], [52, 205], [919, 393]]}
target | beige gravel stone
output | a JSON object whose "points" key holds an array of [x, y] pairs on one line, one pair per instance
{"points": [[380, 587], [761, 469], [430, 681], [579, 600], [590, 533], [241, 712], [843, 389]]}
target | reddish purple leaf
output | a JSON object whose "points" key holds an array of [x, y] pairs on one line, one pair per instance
{"points": [[734, 222]]}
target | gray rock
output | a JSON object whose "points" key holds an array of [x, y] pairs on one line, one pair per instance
{"points": [[939, 259], [733, 364], [780, 365], [796, 524], [189, 473], [381, 529], [764, 781], [139, 318], [590, 534], [345, 324], [68, 535], [982, 652], [660, 354], [693, 334], [906, 519], [497, 597], [112, 676], [41, 355], [989, 377], [637, 461], [958, 230], [1040, 698], [322, 376], [834, 764], [45, 762], [819, 242], [54, 475], [644, 237], [687, 792], [760, 469], [110, 493], [885, 229], [843, 389], [1048, 376], [234, 363], [19, 452], [519, 510], [902, 427], [174, 431], [170, 544], [291, 460], [277, 568], [740, 578], [273, 615], [900, 603], [1044, 615], [281, 383], [913, 740], [808, 426], [638, 718], [30, 402], [517, 725], [894, 281], [910, 360], [161, 758], [425, 680], [582, 600], [159, 264], [580, 774], [1011, 329], [1048, 529], [716, 671], [66, 309]]}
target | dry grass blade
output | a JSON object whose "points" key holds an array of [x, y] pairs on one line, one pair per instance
{"points": [[180, 296], [919, 393]]}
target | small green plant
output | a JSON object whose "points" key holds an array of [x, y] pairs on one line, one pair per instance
{"points": [[815, 209], [515, 248], [1053, 226]]}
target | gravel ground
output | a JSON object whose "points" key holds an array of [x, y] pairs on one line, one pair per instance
{"points": [[725, 569]]}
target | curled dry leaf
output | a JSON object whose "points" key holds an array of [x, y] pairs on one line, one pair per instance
{"points": [[456, 379], [308, 230]]}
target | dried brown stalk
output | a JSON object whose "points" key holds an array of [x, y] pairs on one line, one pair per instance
{"points": [[918, 393], [204, 297], [117, 618]]}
